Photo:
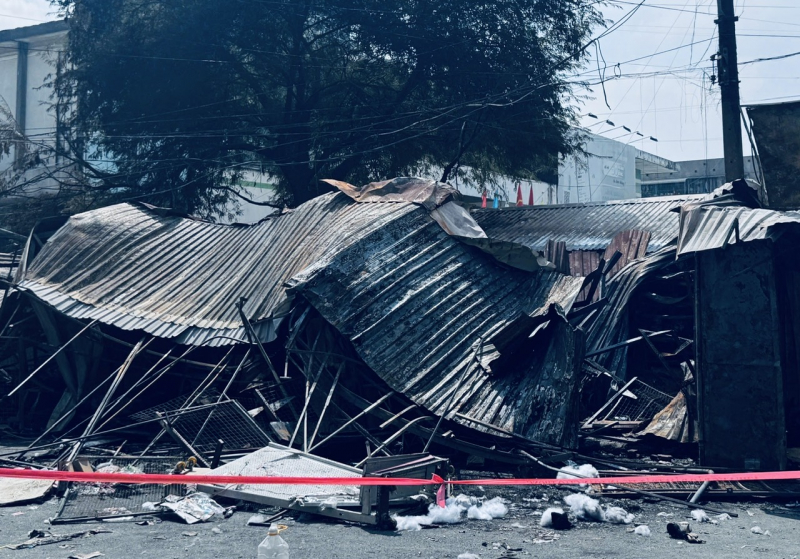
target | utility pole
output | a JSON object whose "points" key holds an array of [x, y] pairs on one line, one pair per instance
{"points": [[728, 72]]}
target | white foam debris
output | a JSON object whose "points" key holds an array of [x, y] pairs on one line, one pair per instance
{"points": [[584, 507], [465, 501], [700, 516], [664, 514], [724, 516], [493, 508], [409, 523], [642, 531], [468, 556], [547, 517], [582, 471], [477, 513], [617, 515], [758, 530], [452, 512]]}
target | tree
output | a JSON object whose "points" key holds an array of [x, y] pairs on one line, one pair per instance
{"points": [[175, 99]]}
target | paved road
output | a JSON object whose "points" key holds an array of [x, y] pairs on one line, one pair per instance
{"points": [[518, 531]]}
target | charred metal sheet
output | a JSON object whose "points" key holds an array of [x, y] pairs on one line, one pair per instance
{"points": [[739, 370], [777, 131], [173, 277], [589, 226], [425, 192], [709, 227], [672, 423], [415, 303]]}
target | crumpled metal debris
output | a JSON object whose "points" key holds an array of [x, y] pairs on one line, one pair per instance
{"points": [[38, 537], [195, 507]]}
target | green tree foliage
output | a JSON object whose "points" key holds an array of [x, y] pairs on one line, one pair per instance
{"points": [[176, 98]]}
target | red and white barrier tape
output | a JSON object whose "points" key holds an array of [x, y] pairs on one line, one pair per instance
{"points": [[98, 477]]}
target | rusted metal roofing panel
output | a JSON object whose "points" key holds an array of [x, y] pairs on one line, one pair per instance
{"points": [[415, 302], [710, 227], [583, 262], [174, 277], [631, 244], [589, 226]]}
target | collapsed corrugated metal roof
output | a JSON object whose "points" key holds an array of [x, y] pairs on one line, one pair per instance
{"points": [[589, 226], [415, 302], [180, 278], [610, 325], [710, 227]]}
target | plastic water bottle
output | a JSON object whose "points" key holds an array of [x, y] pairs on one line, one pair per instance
{"points": [[273, 546]]}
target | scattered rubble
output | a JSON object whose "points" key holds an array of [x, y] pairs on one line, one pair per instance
{"points": [[682, 531], [38, 538], [385, 332]]}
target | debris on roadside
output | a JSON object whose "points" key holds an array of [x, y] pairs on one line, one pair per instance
{"points": [[682, 531], [642, 531], [453, 512], [555, 518], [91, 555], [388, 332], [584, 507], [37, 538], [193, 508]]}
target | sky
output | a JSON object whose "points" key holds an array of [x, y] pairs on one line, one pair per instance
{"points": [[656, 69]]}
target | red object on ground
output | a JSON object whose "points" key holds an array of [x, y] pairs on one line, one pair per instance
{"points": [[519, 194], [483, 199]]}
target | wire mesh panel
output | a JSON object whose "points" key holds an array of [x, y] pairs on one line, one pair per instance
{"points": [[86, 501], [209, 396], [228, 421], [639, 402]]}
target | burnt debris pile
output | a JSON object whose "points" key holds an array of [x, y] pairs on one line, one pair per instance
{"points": [[390, 331]]}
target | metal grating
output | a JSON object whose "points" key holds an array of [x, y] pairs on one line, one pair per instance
{"points": [[640, 402], [87, 501], [209, 396], [228, 421]]}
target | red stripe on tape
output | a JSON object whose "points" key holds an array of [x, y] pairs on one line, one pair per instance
{"points": [[98, 477]]}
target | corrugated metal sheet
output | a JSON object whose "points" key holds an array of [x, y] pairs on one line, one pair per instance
{"points": [[710, 227], [589, 226], [631, 244], [415, 302], [174, 277]]}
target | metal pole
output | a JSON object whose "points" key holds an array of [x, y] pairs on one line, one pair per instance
{"points": [[58, 351], [111, 389], [728, 70], [478, 347]]}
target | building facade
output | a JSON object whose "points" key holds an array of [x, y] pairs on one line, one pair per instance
{"points": [[27, 59]]}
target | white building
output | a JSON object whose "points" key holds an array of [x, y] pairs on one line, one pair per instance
{"points": [[26, 60], [610, 170]]}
